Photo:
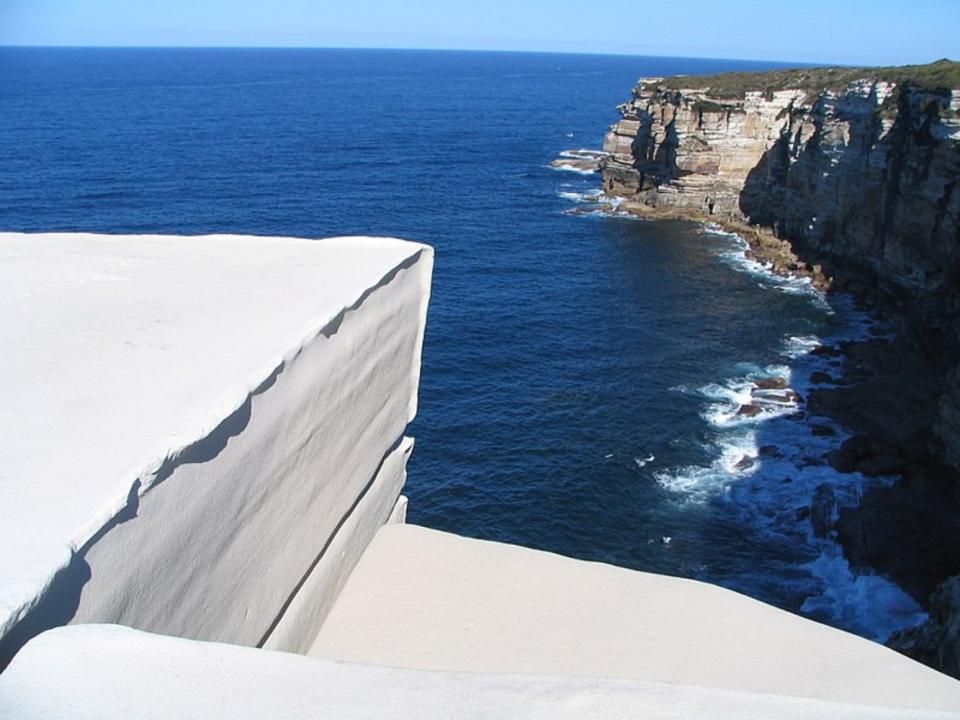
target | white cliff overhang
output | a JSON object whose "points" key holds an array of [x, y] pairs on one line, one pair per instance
{"points": [[196, 432]]}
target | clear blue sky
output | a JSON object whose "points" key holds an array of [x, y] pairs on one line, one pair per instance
{"points": [[843, 31]]}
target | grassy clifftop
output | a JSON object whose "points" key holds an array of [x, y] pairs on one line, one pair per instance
{"points": [[939, 76]]}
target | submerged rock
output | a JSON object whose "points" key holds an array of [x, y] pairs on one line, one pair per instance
{"points": [[770, 451]]}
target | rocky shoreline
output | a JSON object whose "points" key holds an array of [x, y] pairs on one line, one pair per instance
{"points": [[887, 396], [846, 178], [764, 246]]}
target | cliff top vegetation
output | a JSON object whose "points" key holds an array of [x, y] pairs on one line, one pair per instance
{"points": [[940, 76]]}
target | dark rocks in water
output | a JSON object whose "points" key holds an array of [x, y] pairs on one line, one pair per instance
{"points": [[851, 377], [823, 509], [880, 465], [749, 410], [937, 641], [871, 446], [823, 431], [825, 351], [746, 462], [841, 461], [774, 383], [770, 451], [858, 446], [820, 377], [909, 531], [789, 396], [868, 455]]}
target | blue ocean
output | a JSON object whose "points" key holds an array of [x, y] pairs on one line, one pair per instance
{"points": [[582, 372]]}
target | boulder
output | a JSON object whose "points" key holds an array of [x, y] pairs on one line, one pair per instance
{"points": [[749, 410], [773, 383]]}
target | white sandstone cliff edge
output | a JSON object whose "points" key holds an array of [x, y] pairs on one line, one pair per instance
{"points": [[189, 421]]}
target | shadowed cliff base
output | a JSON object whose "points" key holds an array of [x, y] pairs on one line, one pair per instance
{"points": [[847, 176]]}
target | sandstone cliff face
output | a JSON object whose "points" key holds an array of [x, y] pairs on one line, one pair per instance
{"points": [[862, 178]]}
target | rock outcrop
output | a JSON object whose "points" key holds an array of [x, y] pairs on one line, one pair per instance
{"points": [[853, 171]]}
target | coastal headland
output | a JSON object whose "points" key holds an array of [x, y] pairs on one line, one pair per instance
{"points": [[848, 177]]}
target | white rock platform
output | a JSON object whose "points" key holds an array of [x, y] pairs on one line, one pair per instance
{"points": [[107, 672], [199, 435], [429, 600]]}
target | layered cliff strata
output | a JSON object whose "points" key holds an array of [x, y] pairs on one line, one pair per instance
{"points": [[848, 176], [855, 169]]}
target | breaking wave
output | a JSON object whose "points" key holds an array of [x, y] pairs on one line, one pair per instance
{"points": [[768, 464], [562, 167], [738, 255], [765, 463]]}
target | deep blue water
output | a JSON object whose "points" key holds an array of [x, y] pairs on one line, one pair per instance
{"points": [[579, 372]]}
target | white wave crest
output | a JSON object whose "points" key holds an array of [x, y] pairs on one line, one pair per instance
{"points": [[797, 345], [696, 484], [590, 196], [572, 168], [738, 257], [869, 604], [643, 462]]}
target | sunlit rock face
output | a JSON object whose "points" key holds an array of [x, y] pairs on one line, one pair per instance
{"points": [[201, 434], [860, 174]]}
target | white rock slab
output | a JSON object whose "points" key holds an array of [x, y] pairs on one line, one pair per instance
{"points": [[300, 621], [102, 672], [429, 600], [186, 420]]}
